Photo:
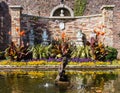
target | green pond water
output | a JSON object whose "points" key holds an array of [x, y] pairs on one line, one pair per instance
{"points": [[43, 82]]}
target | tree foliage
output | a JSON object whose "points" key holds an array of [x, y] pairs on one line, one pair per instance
{"points": [[79, 7]]}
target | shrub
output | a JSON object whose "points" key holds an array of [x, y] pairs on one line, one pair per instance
{"points": [[2, 55], [111, 53]]}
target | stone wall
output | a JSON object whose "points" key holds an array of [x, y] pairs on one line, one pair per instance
{"points": [[38, 7], [15, 12], [5, 25], [87, 23], [93, 8]]}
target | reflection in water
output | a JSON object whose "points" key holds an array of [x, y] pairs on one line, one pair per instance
{"points": [[81, 82]]}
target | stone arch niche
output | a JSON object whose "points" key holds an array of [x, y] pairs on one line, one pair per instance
{"points": [[61, 11]]}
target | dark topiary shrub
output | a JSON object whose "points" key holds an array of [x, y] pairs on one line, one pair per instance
{"points": [[111, 53]]}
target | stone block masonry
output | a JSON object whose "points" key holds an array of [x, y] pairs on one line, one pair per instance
{"points": [[85, 23], [15, 12]]}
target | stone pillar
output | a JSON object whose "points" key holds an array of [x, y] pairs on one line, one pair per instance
{"points": [[107, 14], [15, 12]]}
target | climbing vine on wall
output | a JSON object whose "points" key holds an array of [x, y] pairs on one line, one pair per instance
{"points": [[79, 7]]}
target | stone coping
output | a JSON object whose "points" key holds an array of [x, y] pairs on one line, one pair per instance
{"points": [[55, 67], [65, 17], [76, 17], [16, 7], [107, 6]]}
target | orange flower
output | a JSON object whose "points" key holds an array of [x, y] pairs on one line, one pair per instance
{"points": [[102, 33], [22, 33], [63, 35], [98, 33], [17, 29]]}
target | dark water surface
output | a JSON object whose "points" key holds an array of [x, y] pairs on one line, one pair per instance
{"points": [[43, 82]]}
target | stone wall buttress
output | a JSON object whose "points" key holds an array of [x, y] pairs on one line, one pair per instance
{"points": [[15, 23], [107, 14]]}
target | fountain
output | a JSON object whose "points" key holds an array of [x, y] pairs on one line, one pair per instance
{"points": [[62, 78], [46, 85]]}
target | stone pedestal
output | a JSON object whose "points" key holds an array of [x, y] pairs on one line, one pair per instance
{"points": [[15, 12]]}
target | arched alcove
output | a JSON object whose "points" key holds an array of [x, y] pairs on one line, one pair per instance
{"points": [[67, 12], [58, 12]]}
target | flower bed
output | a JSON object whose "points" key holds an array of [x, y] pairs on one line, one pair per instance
{"points": [[43, 62]]}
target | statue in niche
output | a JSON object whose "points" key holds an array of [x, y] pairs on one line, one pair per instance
{"points": [[62, 13]]}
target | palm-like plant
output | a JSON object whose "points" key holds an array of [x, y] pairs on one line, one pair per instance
{"points": [[16, 53], [40, 51], [61, 47], [81, 52]]}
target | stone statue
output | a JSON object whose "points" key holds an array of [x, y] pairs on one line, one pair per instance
{"points": [[79, 38], [31, 37], [62, 76], [62, 13], [45, 37], [79, 35]]}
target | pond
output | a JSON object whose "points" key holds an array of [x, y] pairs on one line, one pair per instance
{"points": [[43, 82]]}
